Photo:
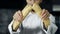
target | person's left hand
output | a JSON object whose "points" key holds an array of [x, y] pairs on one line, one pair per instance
{"points": [[45, 14]]}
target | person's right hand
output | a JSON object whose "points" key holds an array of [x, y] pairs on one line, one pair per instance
{"points": [[18, 16]]}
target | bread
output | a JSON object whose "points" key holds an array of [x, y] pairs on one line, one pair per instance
{"points": [[38, 11], [25, 12]]}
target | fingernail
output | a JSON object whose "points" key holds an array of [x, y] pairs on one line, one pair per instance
{"points": [[43, 9]]}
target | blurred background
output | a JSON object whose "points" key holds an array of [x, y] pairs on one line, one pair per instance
{"points": [[9, 7]]}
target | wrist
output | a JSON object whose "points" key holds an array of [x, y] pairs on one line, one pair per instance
{"points": [[15, 25]]}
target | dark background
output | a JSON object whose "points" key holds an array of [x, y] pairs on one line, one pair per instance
{"points": [[9, 7]]}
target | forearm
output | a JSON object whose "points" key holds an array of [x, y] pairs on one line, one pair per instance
{"points": [[52, 18], [25, 12], [52, 27], [11, 30], [38, 11]]}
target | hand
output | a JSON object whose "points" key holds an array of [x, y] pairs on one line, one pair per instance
{"points": [[18, 16], [45, 14]]}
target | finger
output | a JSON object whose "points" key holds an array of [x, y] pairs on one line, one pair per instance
{"points": [[15, 13], [20, 13], [45, 17], [48, 14], [14, 16], [43, 12], [20, 16]]}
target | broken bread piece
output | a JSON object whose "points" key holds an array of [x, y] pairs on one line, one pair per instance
{"points": [[38, 11], [25, 12]]}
